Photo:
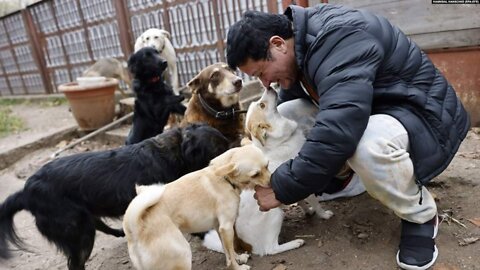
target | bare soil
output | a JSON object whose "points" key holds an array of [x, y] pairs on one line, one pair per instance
{"points": [[361, 235]]}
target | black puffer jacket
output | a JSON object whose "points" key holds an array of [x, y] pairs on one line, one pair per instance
{"points": [[362, 65]]}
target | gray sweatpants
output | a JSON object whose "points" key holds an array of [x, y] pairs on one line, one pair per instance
{"points": [[381, 161]]}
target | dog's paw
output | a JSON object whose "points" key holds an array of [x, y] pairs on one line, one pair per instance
{"points": [[327, 214], [309, 211], [298, 242], [244, 267], [242, 258]]}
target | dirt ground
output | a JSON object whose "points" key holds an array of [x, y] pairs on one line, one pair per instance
{"points": [[361, 235]]}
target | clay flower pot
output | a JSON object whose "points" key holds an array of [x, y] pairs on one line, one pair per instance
{"points": [[93, 105]]}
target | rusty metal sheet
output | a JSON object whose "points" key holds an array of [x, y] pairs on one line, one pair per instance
{"points": [[462, 69]]}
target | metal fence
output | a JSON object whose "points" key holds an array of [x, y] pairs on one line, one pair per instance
{"points": [[51, 42]]}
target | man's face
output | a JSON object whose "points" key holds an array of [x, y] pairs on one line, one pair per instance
{"points": [[279, 68]]}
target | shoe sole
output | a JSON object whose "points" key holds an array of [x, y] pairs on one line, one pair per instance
{"points": [[414, 267], [428, 265]]}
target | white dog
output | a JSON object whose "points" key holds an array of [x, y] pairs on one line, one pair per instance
{"points": [[160, 40], [199, 201], [280, 139]]}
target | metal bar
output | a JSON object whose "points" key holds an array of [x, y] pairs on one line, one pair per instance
{"points": [[54, 15], [220, 44], [90, 135], [272, 6], [34, 42], [166, 17], [124, 28], [85, 28], [4, 71], [15, 60]]}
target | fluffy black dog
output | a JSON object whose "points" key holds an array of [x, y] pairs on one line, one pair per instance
{"points": [[155, 100], [69, 196]]}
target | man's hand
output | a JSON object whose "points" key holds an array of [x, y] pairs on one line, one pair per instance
{"points": [[265, 198]]}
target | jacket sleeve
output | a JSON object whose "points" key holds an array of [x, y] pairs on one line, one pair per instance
{"points": [[342, 65]]}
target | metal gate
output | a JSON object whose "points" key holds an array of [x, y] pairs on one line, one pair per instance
{"points": [[51, 42]]}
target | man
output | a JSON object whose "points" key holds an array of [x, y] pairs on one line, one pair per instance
{"points": [[383, 109]]}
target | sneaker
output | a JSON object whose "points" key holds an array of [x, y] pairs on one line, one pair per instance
{"points": [[417, 250]]}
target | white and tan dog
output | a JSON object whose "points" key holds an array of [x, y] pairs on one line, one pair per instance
{"points": [[280, 139], [160, 40], [197, 202]]}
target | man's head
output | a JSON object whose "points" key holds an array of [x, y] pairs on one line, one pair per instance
{"points": [[261, 45]]}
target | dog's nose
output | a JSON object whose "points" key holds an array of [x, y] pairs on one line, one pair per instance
{"points": [[238, 83]]}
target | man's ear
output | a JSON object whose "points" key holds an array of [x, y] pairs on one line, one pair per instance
{"points": [[278, 43]]}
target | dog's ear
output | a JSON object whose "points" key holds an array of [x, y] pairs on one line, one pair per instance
{"points": [[245, 141], [227, 169], [260, 132], [165, 33], [163, 65], [194, 83], [139, 189], [132, 63]]}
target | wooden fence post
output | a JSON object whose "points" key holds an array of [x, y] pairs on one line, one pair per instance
{"points": [[125, 31], [36, 47]]}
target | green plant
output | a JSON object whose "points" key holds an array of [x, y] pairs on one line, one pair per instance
{"points": [[12, 101], [8, 122], [53, 101]]}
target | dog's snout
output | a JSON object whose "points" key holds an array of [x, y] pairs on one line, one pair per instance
{"points": [[237, 82]]}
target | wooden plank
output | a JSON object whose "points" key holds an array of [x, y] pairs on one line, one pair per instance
{"points": [[447, 39], [420, 16], [417, 17]]}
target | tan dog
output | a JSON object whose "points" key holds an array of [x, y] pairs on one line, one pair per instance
{"points": [[160, 40], [197, 202], [215, 100], [109, 67]]}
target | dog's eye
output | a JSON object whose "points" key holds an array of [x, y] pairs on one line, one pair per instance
{"points": [[155, 37], [256, 175], [215, 75], [262, 105]]}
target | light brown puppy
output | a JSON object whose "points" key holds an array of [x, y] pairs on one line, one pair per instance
{"points": [[215, 101], [197, 202], [109, 67]]}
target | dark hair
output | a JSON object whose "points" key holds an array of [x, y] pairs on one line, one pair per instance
{"points": [[249, 37]]}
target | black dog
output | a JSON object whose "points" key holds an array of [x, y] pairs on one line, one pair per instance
{"points": [[69, 196], [155, 100]]}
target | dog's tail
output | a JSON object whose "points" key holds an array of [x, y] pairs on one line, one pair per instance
{"points": [[147, 196], [8, 209]]}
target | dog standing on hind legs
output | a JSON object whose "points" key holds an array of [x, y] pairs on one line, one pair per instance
{"points": [[155, 100]]}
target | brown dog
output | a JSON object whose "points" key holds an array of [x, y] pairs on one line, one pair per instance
{"points": [[203, 200], [215, 101]]}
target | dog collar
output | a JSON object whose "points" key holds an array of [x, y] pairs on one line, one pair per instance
{"points": [[228, 180], [223, 115], [161, 50]]}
